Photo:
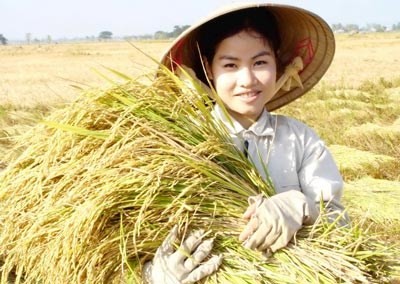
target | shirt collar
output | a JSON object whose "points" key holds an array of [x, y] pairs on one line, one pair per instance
{"points": [[262, 127]]}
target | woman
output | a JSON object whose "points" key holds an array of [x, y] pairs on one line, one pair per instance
{"points": [[257, 58]]}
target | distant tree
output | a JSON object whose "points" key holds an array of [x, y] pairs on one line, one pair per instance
{"points": [[3, 40], [396, 27], [380, 28], [337, 27], [28, 37], [175, 33], [376, 28], [161, 35], [351, 28], [145, 36], [104, 35], [139, 37], [178, 30]]}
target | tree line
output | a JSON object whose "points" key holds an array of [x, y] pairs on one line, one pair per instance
{"points": [[158, 35], [108, 35], [177, 30], [368, 28]]}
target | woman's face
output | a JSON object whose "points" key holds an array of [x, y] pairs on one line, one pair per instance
{"points": [[243, 72]]}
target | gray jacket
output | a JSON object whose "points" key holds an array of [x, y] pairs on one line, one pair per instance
{"points": [[295, 156]]}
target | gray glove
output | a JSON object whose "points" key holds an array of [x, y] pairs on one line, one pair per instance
{"points": [[183, 265], [274, 221]]}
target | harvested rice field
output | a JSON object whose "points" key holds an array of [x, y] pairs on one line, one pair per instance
{"points": [[84, 168]]}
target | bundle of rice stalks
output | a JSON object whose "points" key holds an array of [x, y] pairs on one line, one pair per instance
{"points": [[103, 181], [14, 122], [354, 164]]}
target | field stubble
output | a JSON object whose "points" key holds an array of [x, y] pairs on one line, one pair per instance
{"points": [[46, 74], [35, 75]]}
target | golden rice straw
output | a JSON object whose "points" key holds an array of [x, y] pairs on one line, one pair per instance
{"points": [[376, 200], [377, 138], [102, 182], [354, 163]]}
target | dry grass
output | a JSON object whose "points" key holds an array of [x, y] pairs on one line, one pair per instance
{"points": [[331, 112], [376, 138], [356, 164], [375, 203], [46, 74], [364, 57]]}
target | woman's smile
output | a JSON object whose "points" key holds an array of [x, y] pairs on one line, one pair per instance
{"points": [[249, 96]]}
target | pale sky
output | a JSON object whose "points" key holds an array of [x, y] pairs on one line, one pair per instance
{"points": [[81, 18]]}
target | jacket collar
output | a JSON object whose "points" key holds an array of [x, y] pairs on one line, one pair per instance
{"points": [[262, 127]]}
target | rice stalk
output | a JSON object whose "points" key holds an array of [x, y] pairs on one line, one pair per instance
{"points": [[14, 122], [102, 182]]}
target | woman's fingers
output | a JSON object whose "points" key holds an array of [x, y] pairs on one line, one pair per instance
{"points": [[203, 270], [258, 237], [167, 246], [189, 245], [250, 211], [250, 228], [201, 252]]}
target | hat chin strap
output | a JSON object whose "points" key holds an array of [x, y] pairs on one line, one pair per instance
{"points": [[290, 78]]}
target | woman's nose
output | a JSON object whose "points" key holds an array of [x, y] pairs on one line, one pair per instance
{"points": [[246, 77]]}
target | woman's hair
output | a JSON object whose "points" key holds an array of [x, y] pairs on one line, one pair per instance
{"points": [[257, 20]]}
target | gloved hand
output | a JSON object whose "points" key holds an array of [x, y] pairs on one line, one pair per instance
{"points": [[274, 221], [183, 265]]}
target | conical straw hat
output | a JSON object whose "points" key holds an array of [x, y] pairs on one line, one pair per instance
{"points": [[302, 33]]}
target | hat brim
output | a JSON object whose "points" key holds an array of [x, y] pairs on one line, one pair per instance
{"points": [[302, 33]]}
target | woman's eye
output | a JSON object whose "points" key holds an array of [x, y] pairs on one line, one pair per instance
{"points": [[260, 62], [229, 65]]}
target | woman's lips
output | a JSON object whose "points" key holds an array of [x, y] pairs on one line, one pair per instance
{"points": [[248, 96]]}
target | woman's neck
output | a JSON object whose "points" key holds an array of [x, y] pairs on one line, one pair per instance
{"points": [[245, 121]]}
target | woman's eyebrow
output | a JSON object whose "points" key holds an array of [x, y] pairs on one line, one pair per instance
{"points": [[230, 57], [262, 53], [227, 57]]}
